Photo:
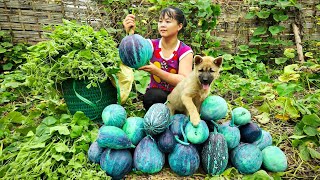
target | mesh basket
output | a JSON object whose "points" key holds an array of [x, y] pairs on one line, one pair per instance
{"points": [[90, 101]]}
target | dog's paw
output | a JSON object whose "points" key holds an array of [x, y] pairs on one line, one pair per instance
{"points": [[195, 120]]}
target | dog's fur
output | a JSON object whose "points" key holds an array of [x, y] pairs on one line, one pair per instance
{"points": [[189, 94]]}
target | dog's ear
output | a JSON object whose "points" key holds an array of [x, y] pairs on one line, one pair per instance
{"points": [[218, 61], [197, 59]]}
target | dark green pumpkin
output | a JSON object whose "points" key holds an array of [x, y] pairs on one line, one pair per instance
{"points": [[214, 155], [250, 132]]}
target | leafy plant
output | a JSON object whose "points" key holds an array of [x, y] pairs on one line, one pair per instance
{"points": [[73, 51], [11, 55], [57, 148]]}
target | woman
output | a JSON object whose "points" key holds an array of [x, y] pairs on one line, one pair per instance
{"points": [[171, 60]]}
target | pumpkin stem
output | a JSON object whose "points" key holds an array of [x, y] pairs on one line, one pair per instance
{"points": [[232, 120], [179, 141], [183, 134], [216, 126]]}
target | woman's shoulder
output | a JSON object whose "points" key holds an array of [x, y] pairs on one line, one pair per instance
{"points": [[184, 47]]}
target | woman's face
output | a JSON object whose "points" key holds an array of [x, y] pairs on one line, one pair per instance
{"points": [[168, 27]]}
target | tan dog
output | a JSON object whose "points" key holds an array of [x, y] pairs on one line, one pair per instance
{"points": [[189, 94]]}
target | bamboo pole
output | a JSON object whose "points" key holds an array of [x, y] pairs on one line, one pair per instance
{"points": [[298, 42]]}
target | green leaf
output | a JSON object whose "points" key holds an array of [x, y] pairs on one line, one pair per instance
{"points": [[314, 153], [76, 131], [80, 119], [2, 50], [63, 130], [309, 54], [296, 142], [259, 31], [61, 147], [280, 17], [264, 14], [304, 153], [310, 131], [50, 120], [259, 175], [250, 15], [227, 57], [243, 48], [289, 53], [280, 60], [16, 117], [36, 146], [7, 66], [59, 157], [276, 29], [311, 120]]}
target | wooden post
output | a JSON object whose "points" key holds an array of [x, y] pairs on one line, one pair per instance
{"points": [[298, 42]]}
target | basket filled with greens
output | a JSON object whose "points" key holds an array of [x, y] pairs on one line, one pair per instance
{"points": [[76, 62]]}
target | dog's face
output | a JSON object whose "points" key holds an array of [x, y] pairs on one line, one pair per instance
{"points": [[207, 69]]}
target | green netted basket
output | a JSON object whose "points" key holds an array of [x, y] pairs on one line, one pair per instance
{"points": [[90, 101]]}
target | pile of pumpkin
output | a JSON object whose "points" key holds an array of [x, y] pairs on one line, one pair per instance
{"points": [[141, 144]]}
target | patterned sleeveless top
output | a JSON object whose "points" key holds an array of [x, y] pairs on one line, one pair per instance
{"points": [[170, 64]]}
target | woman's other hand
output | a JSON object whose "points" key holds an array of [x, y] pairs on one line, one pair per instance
{"points": [[129, 23]]}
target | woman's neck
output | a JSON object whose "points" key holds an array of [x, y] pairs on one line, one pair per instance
{"points": [[169, 43]]}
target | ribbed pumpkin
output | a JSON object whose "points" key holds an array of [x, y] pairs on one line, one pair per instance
{"points": [[147, 157], [116, 162], [213, 108], [135, 51], [157, 119], [247, 158], [214, 154]]}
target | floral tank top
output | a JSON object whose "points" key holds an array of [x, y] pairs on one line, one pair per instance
{"points": [[170, 64]]}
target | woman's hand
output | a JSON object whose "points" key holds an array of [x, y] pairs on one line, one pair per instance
{"points": [[151, 68], [129, 23]]}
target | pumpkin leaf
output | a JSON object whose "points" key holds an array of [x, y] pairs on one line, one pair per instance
{"points": [[259, 31], [263, 118], [304, 153], [59, 157], [276, 29], [63, 130], [250, 15], [310, 131], [264, 14], [282, 117], [311, 120], [261, 174], [49, 120], [289, 53], [243, 48], [286, 77], [280, 17], [314, 153], [61, 147]]}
